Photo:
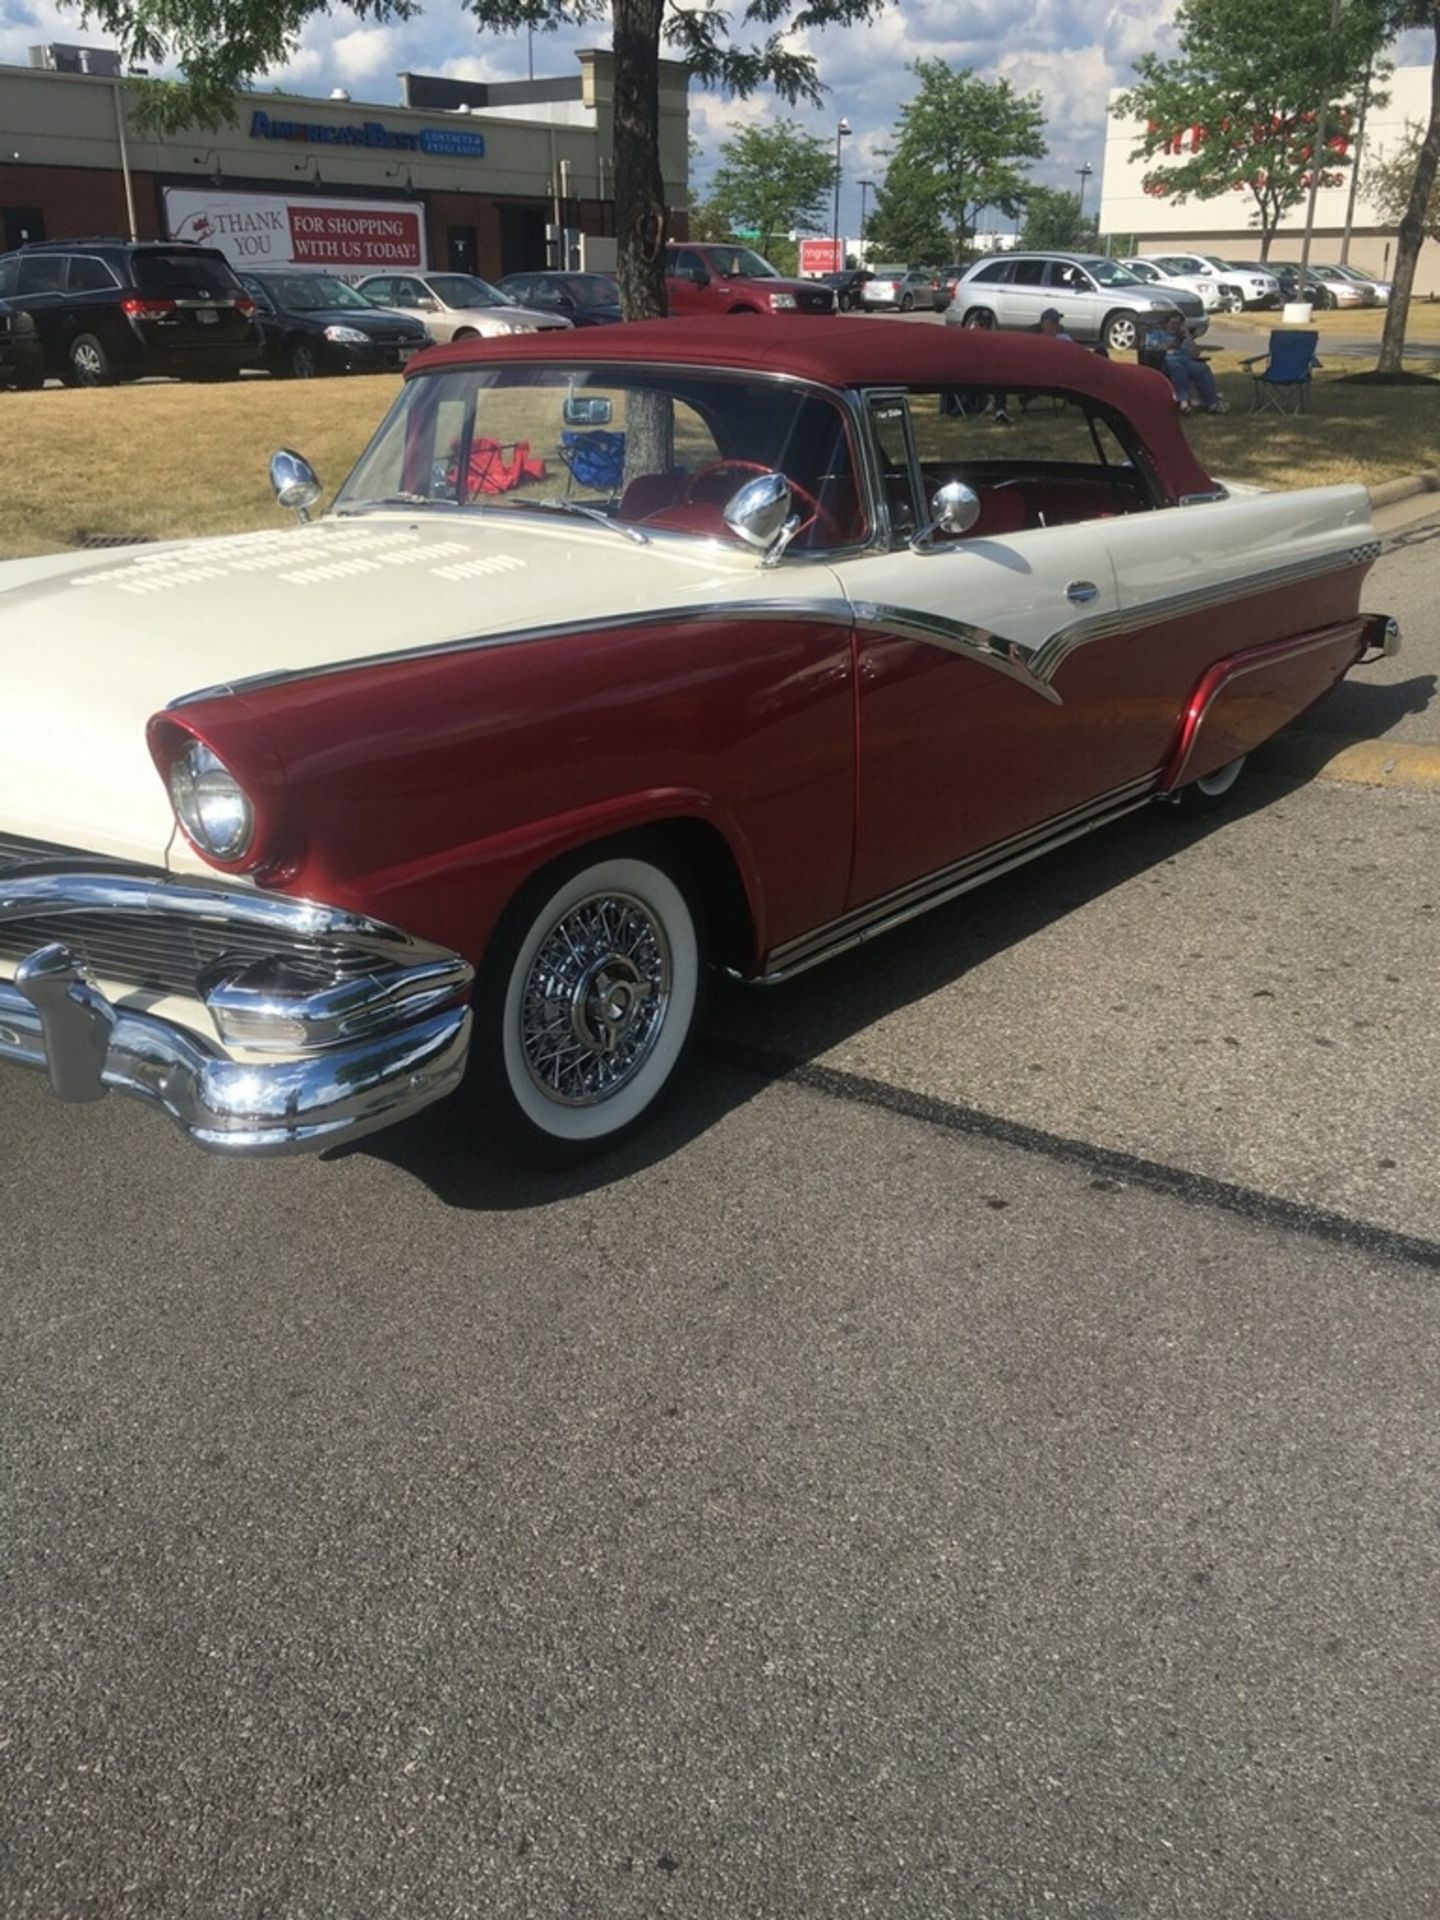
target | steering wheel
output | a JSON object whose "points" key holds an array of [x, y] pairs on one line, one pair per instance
{"points": [[817, 513]]}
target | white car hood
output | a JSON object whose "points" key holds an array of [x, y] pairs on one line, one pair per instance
{"points": [[91, 647]]}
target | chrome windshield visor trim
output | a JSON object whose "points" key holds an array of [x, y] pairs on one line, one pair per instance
{"points": [[826, 610], [54, 1021], [1045, 662], [934, 889], [954, 636]]}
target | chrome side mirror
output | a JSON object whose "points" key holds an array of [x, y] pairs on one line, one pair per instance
{"points": [[954, 509], [759, 514], [295, 481]]}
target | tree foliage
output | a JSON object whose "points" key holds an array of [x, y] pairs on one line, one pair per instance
{"points": [[1389, 178], [961, 145], [1238, 109], [220, 48], [1053, 221], [773, 178]]}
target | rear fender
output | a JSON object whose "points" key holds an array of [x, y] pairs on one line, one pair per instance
{"points": [[1241, 701]]}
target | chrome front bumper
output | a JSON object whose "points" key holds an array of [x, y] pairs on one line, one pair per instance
{"points": [[370, 1023]]}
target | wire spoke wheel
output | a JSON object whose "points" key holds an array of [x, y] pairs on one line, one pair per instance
{"points": [[587, 1003], [595, 999]]}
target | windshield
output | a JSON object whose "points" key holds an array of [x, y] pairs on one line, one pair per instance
{"points": [[740, 263], [662, 451], [466, 290], [1110, 273], [311, 292]]}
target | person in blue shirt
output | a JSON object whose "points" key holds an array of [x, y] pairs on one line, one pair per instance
{"points": [[1191, 380]]}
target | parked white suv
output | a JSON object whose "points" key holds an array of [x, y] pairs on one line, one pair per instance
{"points": [[1257, 287], [1102, 303], [1206, 290]]}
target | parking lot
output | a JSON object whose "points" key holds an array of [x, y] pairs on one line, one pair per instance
{"points": [[976, 1455]]}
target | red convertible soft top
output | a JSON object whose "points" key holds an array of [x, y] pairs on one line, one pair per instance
{"points": [[880, 352]]}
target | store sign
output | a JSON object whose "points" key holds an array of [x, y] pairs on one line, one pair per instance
{"points": [[446, 142], [258, 230]]}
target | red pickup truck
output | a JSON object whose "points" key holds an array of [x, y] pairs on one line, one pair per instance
{"points": [[708, 278]]}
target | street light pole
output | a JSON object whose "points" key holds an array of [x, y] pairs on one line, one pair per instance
{"points": [[842, 132], [1084, 172], [865, 186]]}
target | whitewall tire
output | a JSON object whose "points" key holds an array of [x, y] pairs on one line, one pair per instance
{"points": [[587, 1004], [1212, 790]]}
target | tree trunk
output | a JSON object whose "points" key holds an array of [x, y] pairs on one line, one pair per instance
{"points": [[1412, 227], [640, 212]]}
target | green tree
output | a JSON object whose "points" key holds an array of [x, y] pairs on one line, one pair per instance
{"points": [[961, 145], [220, 48], [1239, 106], [1388, 181], [1053, 220], [773, 178], [1412, 229], [906, 221]]}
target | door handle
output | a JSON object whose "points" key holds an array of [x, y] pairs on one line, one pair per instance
{"points": [[1082, 592]]}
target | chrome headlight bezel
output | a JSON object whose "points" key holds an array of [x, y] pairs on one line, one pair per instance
{"points": [[214, 810], [347, 336]]}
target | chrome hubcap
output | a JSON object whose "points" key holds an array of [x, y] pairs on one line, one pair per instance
{"points": [[595, 1000]]}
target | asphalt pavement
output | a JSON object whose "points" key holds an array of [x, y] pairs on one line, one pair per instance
{"points": [[975, 1456]]}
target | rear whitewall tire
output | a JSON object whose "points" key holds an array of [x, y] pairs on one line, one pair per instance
{"points": [[587, 1005]]}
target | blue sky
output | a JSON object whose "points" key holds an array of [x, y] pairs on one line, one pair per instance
{"points": [[1071, 52]]}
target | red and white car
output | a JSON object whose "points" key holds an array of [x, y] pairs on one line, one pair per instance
{"points": [[619, 655]]}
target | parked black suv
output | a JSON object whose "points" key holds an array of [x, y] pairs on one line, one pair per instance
{"points": [[20, 361], [110, 309]]}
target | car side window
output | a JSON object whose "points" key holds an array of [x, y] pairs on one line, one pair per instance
{"points": [[895, 451], [42, 273], [687, 261], [1068, 277], [89, 275], [382, 292], [1028, 273], [9, 274], [996, 271], [407, 293]]}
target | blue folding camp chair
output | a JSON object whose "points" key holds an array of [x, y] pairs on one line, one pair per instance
{"points": [[1284, 376], [596, 460]]}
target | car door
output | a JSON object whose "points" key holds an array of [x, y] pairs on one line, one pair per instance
{"points": [[1020, 299], [687, 279], [39, 291], [961, 745]]}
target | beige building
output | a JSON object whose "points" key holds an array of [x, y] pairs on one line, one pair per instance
{"points": [[1225, 226], [472, 176]]}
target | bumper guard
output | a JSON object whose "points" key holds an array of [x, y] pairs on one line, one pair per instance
{"points": [[371, 1022]]}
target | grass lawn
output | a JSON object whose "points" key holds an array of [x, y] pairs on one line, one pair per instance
{"points": [[169, 460]]}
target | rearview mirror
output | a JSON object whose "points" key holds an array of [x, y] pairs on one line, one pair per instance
{"points": [[587, 410]]}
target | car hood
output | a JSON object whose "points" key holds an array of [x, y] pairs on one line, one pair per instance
{"points": [[92, 646], [373, 320], [532, 316]]}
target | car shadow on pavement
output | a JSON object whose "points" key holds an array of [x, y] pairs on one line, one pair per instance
{"points": [[1367, 709], [445, 1148]]}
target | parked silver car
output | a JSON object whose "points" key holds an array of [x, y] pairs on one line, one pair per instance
{"points": [[1102, 302]]}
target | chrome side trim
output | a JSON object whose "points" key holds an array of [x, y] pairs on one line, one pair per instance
{"points": [[954, 636], [832, 610], [1047, 658], [934, 889]]}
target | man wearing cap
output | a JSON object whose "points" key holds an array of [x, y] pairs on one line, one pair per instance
{"points": [[1052, 325]]}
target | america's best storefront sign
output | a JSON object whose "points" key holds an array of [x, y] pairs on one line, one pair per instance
{"points": [[447, 142], [258, 230]]}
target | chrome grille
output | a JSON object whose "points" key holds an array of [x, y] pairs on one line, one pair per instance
{"points": [[163, 953]]}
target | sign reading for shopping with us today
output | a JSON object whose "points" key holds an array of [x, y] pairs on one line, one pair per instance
{"points": [[259, 230]]}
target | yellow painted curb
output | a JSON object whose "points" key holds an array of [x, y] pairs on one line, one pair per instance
{"points": [[1413, 767]]}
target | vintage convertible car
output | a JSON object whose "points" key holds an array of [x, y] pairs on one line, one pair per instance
{"points": [[618, 655]]}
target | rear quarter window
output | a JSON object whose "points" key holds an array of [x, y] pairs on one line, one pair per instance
{"points": [[185, 275]]}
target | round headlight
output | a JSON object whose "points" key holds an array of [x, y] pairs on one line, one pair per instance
{"points": [[210, 803]]}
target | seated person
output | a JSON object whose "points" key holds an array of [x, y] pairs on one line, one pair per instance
{"points": [[1052, 325], [1187, 373]]}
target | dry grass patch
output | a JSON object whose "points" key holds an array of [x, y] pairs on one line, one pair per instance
{"points": [[174, 460]]}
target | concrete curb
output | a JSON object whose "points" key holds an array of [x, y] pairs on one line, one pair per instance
{"points": [[1411, 766], [1389, 491]]}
